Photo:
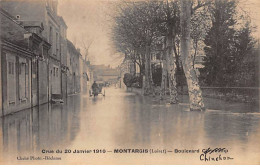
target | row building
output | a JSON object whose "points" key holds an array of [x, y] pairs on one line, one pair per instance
{"points": [[38, 63]]}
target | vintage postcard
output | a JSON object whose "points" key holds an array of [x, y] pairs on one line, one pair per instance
{"points": [[129, 82]]}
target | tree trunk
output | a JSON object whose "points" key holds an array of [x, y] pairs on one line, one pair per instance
{"points": [[195, 94], [171, 68], [152, 85], [147, 81], [164, 80]]}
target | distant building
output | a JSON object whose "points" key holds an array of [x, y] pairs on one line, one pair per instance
{"points": [[105, 73], [86, 75], [73, 56], [63, 56]]}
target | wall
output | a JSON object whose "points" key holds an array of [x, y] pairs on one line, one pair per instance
{"points": [[15, 66], [43, 82], [63, 57], [73, 56], [109, 78], [31, 10], [16, 81], [84, 76], [55, 77], [1, 107]]}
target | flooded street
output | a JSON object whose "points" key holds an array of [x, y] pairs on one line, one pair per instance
{"points": [[125, 120]]}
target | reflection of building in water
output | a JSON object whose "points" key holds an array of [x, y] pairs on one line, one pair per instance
{"points": [[1, 142], [73, 108], [17, 133], [42, 127]]}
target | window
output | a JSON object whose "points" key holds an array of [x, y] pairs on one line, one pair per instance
{"points": [[50, 35], [26, 69], [20, 68], [23, 67], [45, 51], [57, 72], [57, 43], [54, 71], [158, 56], [11, 68]]}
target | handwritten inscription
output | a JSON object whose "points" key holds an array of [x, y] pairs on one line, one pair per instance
{"points": [[216, 154]]}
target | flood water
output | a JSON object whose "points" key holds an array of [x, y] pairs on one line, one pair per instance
{"points": [[124, 120]]}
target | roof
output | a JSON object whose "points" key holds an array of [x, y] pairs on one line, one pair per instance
{"points": [[11, 30], [9, 16], [71, 47], [62, 21], [99, 67], [110, 73]]}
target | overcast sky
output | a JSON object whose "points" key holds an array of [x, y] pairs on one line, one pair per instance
{"points": [[90, 20]]}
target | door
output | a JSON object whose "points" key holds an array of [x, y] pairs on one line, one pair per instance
{"points": [[11, 80]]}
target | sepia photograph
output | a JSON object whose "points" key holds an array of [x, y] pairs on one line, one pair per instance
{"points": [[129, 82]]}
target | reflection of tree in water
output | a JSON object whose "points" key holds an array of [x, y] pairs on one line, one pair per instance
{"points": [[150, 123], [136, 126], [230, 126], [182, 128]]}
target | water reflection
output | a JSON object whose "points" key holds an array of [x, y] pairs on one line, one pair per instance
{"points": [[126, 120], [41, 127], [149, 123], [221, 128]]}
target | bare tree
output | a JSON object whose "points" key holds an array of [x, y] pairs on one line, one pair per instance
{"points": [[140, 25], [86, 45], [134, 34]]}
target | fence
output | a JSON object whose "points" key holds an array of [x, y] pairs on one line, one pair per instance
{"points": [[240, 94]]}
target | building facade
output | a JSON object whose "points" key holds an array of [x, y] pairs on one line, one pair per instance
{"points": [[85, 76], [38, 63], [54, 31], [73, 82], [22, 48], [63, 56]]}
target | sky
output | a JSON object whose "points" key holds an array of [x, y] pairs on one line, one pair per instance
{"points": [[252, 8], [90, 21]]}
